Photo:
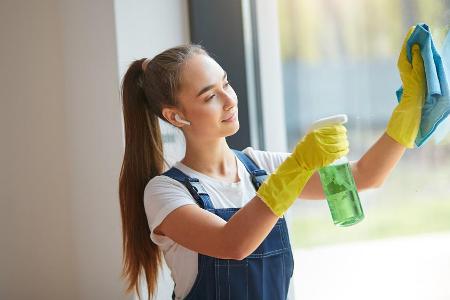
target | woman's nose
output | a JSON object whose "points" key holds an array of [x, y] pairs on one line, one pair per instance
{"points": [[229, 99]]}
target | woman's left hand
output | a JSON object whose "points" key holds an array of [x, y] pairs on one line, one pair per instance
{"points": [[404, 123]]}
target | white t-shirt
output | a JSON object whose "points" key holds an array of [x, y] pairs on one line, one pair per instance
{"points": [[163, 194]]}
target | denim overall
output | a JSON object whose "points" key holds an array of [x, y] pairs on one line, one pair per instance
{"points": [[264, 274]]}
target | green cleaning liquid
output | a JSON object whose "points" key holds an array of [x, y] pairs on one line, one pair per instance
{"points": [[341, 193]]}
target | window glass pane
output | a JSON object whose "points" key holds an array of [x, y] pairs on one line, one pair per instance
{"points": [[340, 56]]}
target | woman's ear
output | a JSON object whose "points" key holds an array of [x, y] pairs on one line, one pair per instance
{"points": [[174, 117], [169, 115]]}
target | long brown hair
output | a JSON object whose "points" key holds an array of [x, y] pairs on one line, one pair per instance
{"points": [[144, 94]]}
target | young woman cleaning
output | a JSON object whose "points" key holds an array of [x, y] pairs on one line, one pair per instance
{"points": [[215, 216]]}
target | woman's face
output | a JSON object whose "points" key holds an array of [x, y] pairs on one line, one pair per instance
{"points": [[207, 99]]}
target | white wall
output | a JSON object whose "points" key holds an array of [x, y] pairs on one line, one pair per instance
{"points": [[147, 27], [36, 256], [93, 137], [62, 143]]}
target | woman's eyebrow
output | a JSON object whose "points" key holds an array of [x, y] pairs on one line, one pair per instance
{"points": [[207, 88]]}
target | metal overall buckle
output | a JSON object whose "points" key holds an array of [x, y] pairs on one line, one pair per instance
{"points": [[258, 177], [195, 188]]}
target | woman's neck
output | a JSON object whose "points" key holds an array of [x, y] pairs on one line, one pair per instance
{"points": [[216, 160]]}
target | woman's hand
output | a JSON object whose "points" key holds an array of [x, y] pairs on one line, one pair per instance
{"points": [[404, 123], [317, 149], [321, 147]]}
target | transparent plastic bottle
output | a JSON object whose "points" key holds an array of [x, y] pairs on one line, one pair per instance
{"points": [[338, 184]]}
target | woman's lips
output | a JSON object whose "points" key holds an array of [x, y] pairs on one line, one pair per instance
{"points": [[231, 119]]}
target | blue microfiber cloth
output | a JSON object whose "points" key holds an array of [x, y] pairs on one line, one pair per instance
{"points": [[437, 103], [442, 133]]}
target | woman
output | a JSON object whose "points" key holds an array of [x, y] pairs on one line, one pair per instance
{"points": [[225, 236]]}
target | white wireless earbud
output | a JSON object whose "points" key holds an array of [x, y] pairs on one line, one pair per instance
{"points": [[178, 119]]}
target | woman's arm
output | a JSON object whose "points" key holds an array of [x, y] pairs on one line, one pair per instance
{"points": [[378, 162], [201, 231], [370, 171]]}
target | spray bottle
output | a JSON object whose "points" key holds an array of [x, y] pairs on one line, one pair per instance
{"points": [[338, 183]]}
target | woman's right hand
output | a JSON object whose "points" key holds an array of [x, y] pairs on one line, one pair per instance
{"points": [[317, 149], [322, 146]]}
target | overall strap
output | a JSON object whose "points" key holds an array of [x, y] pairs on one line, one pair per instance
{"points": [[257, 175], [196, 189], [193, 185]]}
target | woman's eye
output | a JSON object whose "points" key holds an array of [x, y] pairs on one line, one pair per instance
{"points": [[213, 95]]}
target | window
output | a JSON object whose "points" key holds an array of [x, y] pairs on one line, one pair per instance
{"points": [[340, 57]]}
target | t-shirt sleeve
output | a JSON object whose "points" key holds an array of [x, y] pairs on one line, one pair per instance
{"points": [[163, 195], [267, 160]]}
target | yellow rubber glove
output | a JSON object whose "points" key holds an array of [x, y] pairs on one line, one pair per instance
{"points": [[317, 149], [404, 123]]}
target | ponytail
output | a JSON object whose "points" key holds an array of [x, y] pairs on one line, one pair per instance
{"points": [[143, 160]]}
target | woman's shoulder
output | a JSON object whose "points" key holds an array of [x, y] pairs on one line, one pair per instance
{"points": [[164, 183], [267, 160], [162, 195]]}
